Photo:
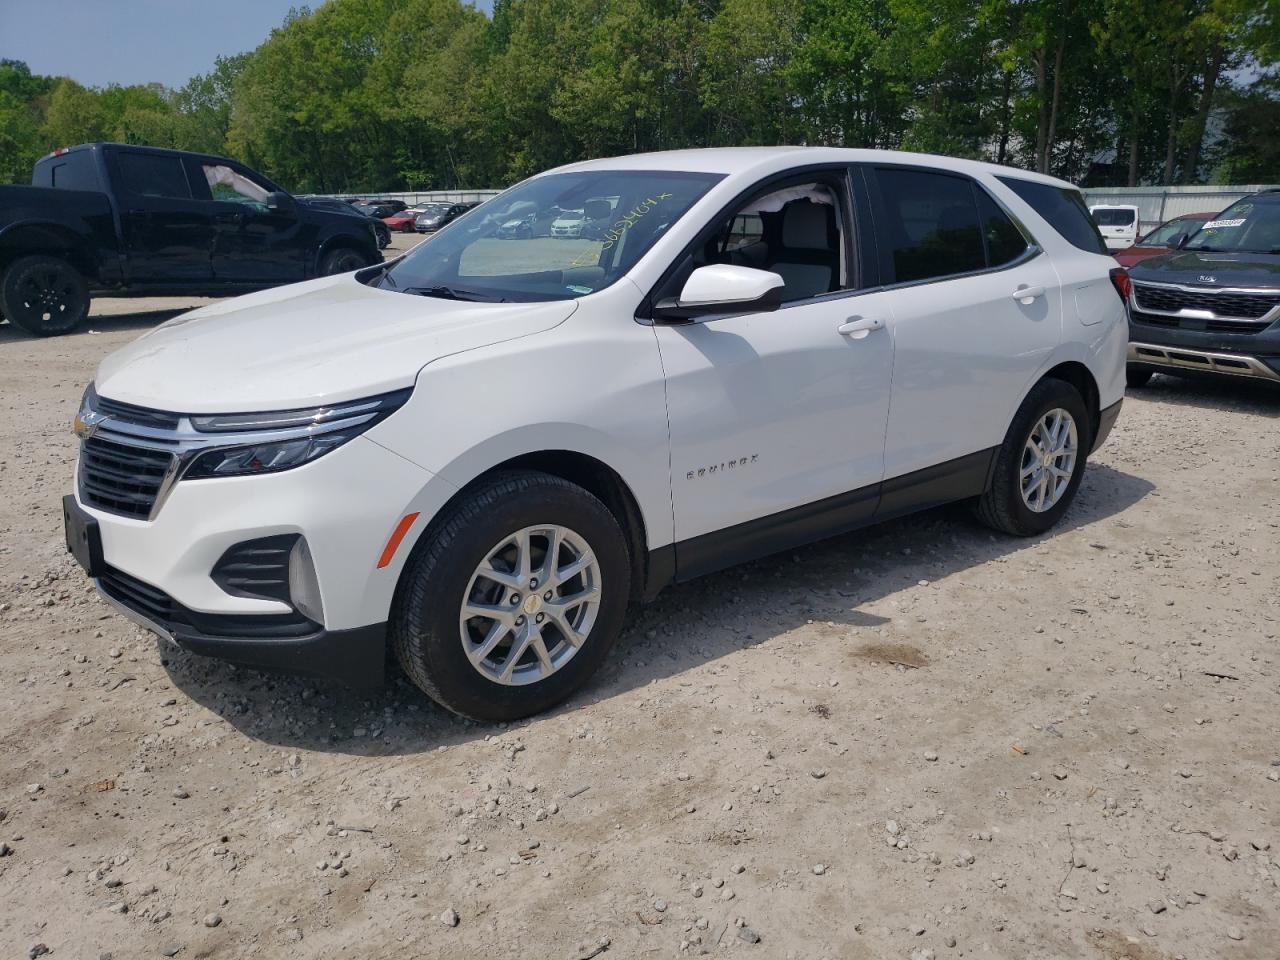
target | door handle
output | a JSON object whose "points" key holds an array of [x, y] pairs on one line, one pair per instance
{"points": [[1025, 294], [229, 217], [858, 327]]}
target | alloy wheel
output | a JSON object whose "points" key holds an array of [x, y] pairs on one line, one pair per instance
{"points": [[1048, 460], [530, 605]]}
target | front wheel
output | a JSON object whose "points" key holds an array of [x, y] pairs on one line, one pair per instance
{"points": [[513, 599], [1136, 376], [1040, 463], [44, 295], [342, 260]]}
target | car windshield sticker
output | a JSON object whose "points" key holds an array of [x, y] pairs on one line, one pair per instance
{"points": [[1224, 223], [614, 234]]}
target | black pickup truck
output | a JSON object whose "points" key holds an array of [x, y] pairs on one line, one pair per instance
{"points": [[130, 221]]}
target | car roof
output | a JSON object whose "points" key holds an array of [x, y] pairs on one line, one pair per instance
{"points": [[765, 160]]}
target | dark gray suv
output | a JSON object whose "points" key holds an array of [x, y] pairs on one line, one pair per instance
{"points": [[1212, 304]]}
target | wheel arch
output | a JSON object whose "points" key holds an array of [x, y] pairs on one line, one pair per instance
{"points": [[596, 477], [350, 241], [50, 239], [1081, 377]]}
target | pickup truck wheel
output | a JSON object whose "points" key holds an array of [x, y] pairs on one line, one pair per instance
{"points": [[513, 599], [342, 260], [1041, 462], [44, 295], [1136, 376]]}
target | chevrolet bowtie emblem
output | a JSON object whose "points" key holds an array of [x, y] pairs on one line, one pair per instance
{"points": [[86, 423]]}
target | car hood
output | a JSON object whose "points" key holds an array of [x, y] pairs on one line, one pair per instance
{"points": [[1205, 268], [307, 344]]}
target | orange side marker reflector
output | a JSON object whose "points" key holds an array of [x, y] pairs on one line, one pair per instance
{"points": [[393, 544]]}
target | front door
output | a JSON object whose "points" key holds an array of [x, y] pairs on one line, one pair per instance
{"points": [[255, 244], [777, 419]]}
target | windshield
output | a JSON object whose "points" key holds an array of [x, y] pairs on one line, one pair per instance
{"points": [[1161, 235], [1113, 217], [506, 250], [1245, 227]]}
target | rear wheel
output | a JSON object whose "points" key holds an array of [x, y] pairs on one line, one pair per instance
{"points": [[44, 295], [514, 599], [1136, 376], [1041, 462], [342, 260]]}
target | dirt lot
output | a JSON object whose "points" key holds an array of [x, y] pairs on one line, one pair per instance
{"points": [[918, 741]]}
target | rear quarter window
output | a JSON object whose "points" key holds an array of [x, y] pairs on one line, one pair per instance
{"points": [[1063, 208], [70, 171]]}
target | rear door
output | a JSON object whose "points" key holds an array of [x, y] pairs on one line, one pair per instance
{"points": [[977, 308], [254, 244], [167, 234]]}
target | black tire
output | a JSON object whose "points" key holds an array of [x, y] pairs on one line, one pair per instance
{"points": [[1136, 376], [1002, 507], [425, 628], [44, 295], [342, 260]]}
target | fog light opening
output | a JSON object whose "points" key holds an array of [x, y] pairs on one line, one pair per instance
{"points": [[304, 586]]}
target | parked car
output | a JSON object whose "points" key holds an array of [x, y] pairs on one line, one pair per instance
{"points": [[346, 206], [517, 228], [1212, 303], [431, 220], [382, 230], [1118, 223], [482, 452], [401, 222], [130, 221], [395, 206], [1157, 241]]}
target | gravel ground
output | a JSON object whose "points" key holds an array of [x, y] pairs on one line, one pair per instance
{"points": [[918, 741]]}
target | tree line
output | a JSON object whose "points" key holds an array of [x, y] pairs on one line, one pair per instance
{"points": [[368, 95]]}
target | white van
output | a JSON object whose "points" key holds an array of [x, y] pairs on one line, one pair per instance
{"points": [[1117, 222]]}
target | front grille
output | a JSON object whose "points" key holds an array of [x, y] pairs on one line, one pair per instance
{"points": [[1247, 306], [161, 609], [1194, 323], [142, 416], [120, 478], [257, 568]]}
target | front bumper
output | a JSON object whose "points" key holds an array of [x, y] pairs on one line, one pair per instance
{"points": [[287, 644], [1176, 349], [345, 505]]}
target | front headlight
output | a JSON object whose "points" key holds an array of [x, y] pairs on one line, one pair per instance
{"points": [[243, 444]]}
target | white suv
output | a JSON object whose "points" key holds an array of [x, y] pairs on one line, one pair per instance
{"points": [[483, 452]]}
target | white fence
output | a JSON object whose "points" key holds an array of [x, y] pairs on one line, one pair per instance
{"points": [[1158, 204], [424, 196]]}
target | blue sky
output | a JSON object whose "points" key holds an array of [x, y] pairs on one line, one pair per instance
{"points": [[97, 42]]}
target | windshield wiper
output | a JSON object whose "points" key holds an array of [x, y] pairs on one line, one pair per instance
{"points": [[453, 293]]}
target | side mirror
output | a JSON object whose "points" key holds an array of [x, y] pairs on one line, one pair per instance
{"points": [[280, 202], [720, 289]]}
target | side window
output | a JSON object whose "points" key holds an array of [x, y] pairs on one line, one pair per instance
{"points": [[151, 175], [230, 185], [792, 231], [747, 229], [929, 226], [1005, 242], [1064, 210]]}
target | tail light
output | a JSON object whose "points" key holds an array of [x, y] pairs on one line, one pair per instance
{"points": [[1120, 280]]}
